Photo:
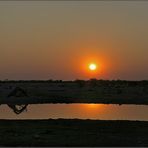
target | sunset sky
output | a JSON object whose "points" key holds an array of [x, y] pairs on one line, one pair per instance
{"points": [[57, 40]]}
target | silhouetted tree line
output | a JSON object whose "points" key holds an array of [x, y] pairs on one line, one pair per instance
{"points": [[82, 83], [112, 83], [31, 81]]}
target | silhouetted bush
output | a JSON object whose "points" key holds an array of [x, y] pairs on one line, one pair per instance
{"points": [[81, 83], [93, 82]]}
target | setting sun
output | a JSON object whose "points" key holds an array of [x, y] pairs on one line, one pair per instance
{"points": [[92, 66]]}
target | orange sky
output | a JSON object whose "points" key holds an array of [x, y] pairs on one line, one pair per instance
{"points": [[57, 40]]}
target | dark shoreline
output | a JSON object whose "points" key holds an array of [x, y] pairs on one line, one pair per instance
{"points": [[78, 91], [73, 132]]}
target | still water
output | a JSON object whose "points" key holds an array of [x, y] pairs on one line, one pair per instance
{"points": [[80, 111]]}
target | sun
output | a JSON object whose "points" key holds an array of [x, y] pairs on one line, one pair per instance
{"points": [[92, 66]]}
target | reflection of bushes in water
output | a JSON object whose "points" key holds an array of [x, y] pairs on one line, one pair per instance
{"points": [[18, 108], [18, 92]]}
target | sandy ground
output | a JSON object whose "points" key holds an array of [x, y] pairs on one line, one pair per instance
{"points": [[73, 132]]}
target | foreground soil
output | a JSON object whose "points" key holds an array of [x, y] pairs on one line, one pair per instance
{"points": [[73, 132]]}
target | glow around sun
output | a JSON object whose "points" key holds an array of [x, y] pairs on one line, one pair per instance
{"points": [[92, 66]]}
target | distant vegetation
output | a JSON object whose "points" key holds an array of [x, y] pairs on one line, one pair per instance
{"points": [[77, 91], [94, 82]]}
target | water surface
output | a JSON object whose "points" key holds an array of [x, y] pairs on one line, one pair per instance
{"points": [[81, 111]]}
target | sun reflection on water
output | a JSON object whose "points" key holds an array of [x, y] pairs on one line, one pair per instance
{"points": [[94, 106]]}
